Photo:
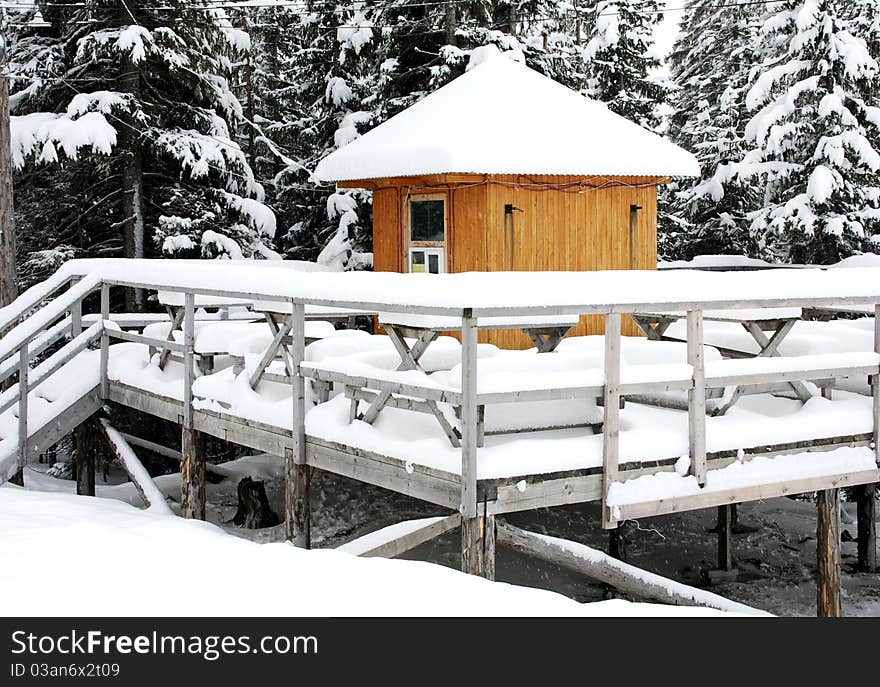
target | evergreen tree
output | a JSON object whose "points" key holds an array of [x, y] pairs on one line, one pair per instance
{"points": [[147, 86], [710, 66], [622, 62], [813, 136]]}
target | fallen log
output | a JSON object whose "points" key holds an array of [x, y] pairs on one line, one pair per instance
{"points": [[623, 576]]}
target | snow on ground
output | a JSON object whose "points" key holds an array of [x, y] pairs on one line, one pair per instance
{"points": [[125, 563]]}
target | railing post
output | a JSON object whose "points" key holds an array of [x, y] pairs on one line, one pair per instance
{"points": [[192, 464], [468, 415], [76, 327], [297, 516], [105, 341], [696, 396], [22, 414], [477, 528], [875, 386], [611, 419]]}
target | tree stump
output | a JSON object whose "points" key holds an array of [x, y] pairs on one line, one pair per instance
{"points": [[254, 511]]}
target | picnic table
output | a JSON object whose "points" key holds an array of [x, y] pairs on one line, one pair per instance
{"points": [[767, 326], [174, 303], [545, 331], [824, 313], [278, 315]]}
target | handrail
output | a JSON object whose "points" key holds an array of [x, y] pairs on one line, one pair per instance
{"points": [[10, 314], [51, 365], [38, 344], [24, 332]]}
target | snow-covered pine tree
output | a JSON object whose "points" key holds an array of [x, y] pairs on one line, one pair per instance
{"points": [[325, 100], [622, 60], [147, 83], [710, 66], [813, 136]]}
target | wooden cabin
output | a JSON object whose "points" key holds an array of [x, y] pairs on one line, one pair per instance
{"points": [[505, 169]]}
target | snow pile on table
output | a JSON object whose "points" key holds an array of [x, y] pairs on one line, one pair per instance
{"points": [[137, 548], [805, 337]]}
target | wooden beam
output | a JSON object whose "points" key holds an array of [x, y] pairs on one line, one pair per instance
{"points": [[297, 509], [86, 453], [725, 536], [875, 386], [105, 341], [23, 389], [696, 396], [192, 474], [622, 576], [137, 473], [192, 443], [478, 546], [867, 527], [828, 554], [611, 410], [469, 418], [392, 548]]}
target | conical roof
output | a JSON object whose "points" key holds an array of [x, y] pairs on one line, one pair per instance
{"points": [[501, 117]]}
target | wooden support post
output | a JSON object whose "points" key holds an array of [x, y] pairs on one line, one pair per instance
{"points": [[86, 451], [23, 373], [192, 444], [192, 474], [297, 509], [617, 542], [875, 386], [725, 537], [828, 554], [105, 341], [76, 327], [696, 396], [469, 418], [867, 527], [478, 546], [611, 425]]}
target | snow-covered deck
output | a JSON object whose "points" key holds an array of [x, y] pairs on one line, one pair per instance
{"points": [[466, 425]]}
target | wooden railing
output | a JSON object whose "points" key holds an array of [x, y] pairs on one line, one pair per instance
{"points": [[36, 330]]}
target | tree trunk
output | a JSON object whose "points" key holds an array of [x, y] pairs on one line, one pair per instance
{"points": [[8, 277], [132, 175], [254, 511], [450, 22]]}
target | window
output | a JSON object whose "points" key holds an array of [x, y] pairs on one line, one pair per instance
{"points": [[427, 221], [428, 260], [426, 217]]}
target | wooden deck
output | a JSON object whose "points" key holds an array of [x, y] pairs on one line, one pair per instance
{"points": [[479, 500]]}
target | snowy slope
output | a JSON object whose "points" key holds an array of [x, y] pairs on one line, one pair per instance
{"points": [[138, 550]]}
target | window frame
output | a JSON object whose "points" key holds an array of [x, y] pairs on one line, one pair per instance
{"points": [[432, 246]]}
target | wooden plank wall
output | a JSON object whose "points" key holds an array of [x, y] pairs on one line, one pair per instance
{"points": [[571, 230], [387, 230], [587, 229]]}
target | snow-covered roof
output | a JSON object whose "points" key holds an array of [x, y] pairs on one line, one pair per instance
{"points": [[503, 118]]}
